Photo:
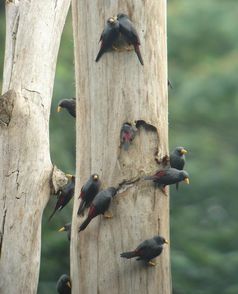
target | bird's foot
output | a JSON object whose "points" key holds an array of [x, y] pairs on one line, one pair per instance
{"points": [[129, 48], [117, 49], [163, 189], [151, 263], [122, 49], [108, 214]]}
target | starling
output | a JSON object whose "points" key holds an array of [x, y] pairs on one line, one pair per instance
{"points": [[66, 228], [63, 285], [127, 135], [69, 104], [177, 159], [64, 195], [130, 34], [108, 36], [88, 192], [169, 176], [147, 250], [100, 205]]}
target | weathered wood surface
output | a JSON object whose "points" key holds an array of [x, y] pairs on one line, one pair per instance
{"points": [[33, 32], [115, 90]]}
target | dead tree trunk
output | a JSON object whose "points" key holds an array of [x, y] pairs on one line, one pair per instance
{"points": [[115, 90], [32, 40]]}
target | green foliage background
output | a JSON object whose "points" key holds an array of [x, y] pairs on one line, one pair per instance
{"points": [[203, 106]]}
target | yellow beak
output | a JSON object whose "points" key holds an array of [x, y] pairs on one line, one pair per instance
{"points": [[69, 176], [166, 241], [68, 284], [62, 229], [59, 108], [186, 180], [184, 151]]}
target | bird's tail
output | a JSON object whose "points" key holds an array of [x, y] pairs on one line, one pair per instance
{"points": [[52, 215], [81, 208], [129, 254], [126, 145], [100, 53], [137, 50], [177, 185], [84, 224]]}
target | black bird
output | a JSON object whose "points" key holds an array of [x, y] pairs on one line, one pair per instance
{"points": [[108, 36], [69, 104], [147, 250], [88, 192], [64, 195], [168, 176], [177, 159], [100, 205], [66, 228], [127, 135], [63, 285], [130, 34]]}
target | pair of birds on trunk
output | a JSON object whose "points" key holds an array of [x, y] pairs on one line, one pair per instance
{"points": [[173, 172], [97, 201], [119, 31]]}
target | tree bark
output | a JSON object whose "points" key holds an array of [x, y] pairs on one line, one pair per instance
{"points": [[33, 32], [115, 90]]}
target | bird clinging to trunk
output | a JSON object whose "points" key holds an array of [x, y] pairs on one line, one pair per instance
{"points": [[128, 31], [69, 104], [63, 285], [177, 159], [64, 195], [127, 135], [108, 36], [100, 205], [88, 192], [66, 228], [168, 176], [147, 250]]}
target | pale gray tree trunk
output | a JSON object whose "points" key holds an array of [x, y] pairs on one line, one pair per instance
{"points": [[33, 32], [118, 89]]}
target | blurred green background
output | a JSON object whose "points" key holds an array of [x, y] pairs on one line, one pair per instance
{"points": [[203, 107]]}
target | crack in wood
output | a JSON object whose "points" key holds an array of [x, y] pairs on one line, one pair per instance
{"points": [[2, 230]]}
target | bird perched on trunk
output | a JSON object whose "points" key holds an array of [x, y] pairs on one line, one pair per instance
{"points": [[64, 195], [69, 104], [130, 34], [100, 205], [63, 285], [168, 176], [177, 159], [147, 250], [127, 135], [66, 228], [108, 36], [88, 192]]}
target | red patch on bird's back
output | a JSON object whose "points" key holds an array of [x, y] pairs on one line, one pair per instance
{"points": [[92, 211], [160, 174], [81, 193], [126, 136]]}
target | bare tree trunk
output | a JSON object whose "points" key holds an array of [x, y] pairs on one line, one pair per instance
{"points": [[32, 40], [115, 90]]}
